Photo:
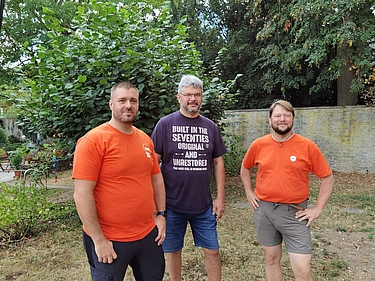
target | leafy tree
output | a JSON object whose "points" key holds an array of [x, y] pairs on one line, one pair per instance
{"points": [[23, 23], [106, 43], [205, 28], [6, 105], [309, 52], [368, 97], [232, 33], [306, 52], [318, 42], [241, 52]]}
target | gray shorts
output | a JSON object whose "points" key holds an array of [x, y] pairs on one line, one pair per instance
{"points": [[275, 222]]}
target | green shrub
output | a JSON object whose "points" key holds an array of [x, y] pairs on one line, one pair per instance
{"points": [[65, 214], [3, 137], [15, 158], [14, 139], [22, 208], [233, 159]]}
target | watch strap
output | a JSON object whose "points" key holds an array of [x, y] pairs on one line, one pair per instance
{"points": [[162, 213]]}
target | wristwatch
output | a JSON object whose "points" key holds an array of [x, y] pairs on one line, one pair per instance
{"points": [[162, 213]]}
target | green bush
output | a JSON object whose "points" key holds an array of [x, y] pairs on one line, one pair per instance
{"points": [[3, 137], [233, 159], [65, 214], [22, 208], [14, 139]]}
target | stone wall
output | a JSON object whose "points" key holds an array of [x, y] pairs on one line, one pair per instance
{"points": [[345, 134]]}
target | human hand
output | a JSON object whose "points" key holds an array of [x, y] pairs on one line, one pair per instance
{"points": [[218, 208], [105, 252], [308, 214], [160, 222], [253, 199]]}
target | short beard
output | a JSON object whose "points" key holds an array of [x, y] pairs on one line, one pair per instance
{"points": [[282, 133], [191, 111], [127, 120]]}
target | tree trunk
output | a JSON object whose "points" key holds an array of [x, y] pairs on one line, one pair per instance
{"points": [[344, 96]]}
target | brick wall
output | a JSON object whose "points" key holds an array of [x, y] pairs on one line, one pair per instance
{"points": [[345, 134]]}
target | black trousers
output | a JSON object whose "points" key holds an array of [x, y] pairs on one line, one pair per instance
{"points": [[144, 256]]}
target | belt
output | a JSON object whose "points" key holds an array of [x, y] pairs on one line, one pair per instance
{"points": [[295, 206]]}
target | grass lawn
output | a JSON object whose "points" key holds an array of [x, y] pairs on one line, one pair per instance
{"points": [[343, 242]]}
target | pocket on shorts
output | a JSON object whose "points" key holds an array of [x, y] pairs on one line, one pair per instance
{"points": [[292, 210], [256, 217]]}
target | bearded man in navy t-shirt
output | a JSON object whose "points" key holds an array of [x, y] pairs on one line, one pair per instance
{"points": [[190, 147]]}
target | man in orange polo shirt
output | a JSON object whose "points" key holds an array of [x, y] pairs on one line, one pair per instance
{"points": [[284, 160], [120, 195]]}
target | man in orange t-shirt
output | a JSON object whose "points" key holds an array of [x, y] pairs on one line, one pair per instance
{"points": [[284, 160], [120, 195]]}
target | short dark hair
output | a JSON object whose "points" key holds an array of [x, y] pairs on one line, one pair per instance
{"points": [[125, 85]]}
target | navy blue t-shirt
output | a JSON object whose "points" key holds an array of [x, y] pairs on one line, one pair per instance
{"points": [[187, 147]]}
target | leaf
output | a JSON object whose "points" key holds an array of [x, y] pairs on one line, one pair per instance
{"points": [[69, 86], [82, 78]]}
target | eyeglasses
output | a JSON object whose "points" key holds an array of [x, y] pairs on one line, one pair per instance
{"points": [[285, 116], [189, 96]]}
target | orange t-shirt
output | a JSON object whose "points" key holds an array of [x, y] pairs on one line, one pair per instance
{"points": [[283, 170], [122, 166]]}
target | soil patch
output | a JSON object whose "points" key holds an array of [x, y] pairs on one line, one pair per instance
{"points": [[356, 250]]}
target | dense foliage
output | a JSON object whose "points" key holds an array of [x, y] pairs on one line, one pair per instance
{"points": [[23, 24], [319, 42], [68, 54], [21, 209], [3, 138], [106, 43], [25, 211], [309, 52]]}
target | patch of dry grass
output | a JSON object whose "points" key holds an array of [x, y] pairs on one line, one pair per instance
{"points": [[59, 254]]}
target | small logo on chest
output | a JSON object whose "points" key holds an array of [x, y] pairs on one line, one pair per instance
{"points": [[147, 150]]}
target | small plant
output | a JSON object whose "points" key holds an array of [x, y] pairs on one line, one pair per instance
{"points": [[325, 252], [2, 151], [335, 267], [15, 158]]}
